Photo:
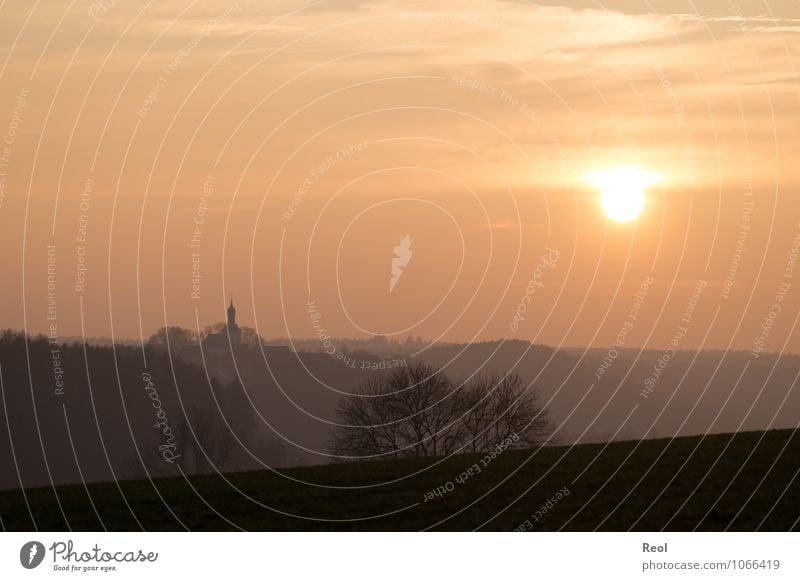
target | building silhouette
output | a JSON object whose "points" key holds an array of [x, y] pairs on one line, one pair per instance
{"points": [[229, 336]]}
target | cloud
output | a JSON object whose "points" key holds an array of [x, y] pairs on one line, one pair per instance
{"points": [[568, 83]]}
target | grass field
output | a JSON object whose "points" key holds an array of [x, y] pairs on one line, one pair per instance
{"points": [[747, 481]]}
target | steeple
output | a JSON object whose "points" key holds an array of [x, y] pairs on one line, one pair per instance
{"points": [[232, 316]]}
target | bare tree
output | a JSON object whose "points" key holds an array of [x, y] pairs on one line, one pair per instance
{"points": [[176, 337], [476, 417], [215, 329], [250, 337], [407, 413], [203, 444], [417, 411], [208, 444], [497, 408]]}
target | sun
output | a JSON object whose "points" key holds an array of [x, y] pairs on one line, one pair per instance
{"points": [[621, 191]]}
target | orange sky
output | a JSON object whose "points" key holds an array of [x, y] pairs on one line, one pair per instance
{"points": [[297, 144]]}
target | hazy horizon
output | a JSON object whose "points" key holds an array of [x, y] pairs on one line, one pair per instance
{"points": [[400, 340]]}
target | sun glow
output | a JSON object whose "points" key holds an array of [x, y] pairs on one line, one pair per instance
{"points": [[621, 191]]}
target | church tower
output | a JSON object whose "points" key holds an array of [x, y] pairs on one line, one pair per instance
{"points": [[234, 332]]}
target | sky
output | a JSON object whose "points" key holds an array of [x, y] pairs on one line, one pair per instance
{"points": [[160, 159]]}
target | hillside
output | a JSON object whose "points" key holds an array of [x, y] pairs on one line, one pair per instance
{"points": [[747, 481]]}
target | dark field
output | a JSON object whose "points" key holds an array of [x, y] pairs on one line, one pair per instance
{"points": [[743, 482]]}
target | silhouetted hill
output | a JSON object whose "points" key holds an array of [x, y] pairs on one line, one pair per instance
{"points": [[74, 412], [696, 392], [268, 406], [746, 481]]}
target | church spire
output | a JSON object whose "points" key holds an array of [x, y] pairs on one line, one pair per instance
{"points": [[231, 316]]}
